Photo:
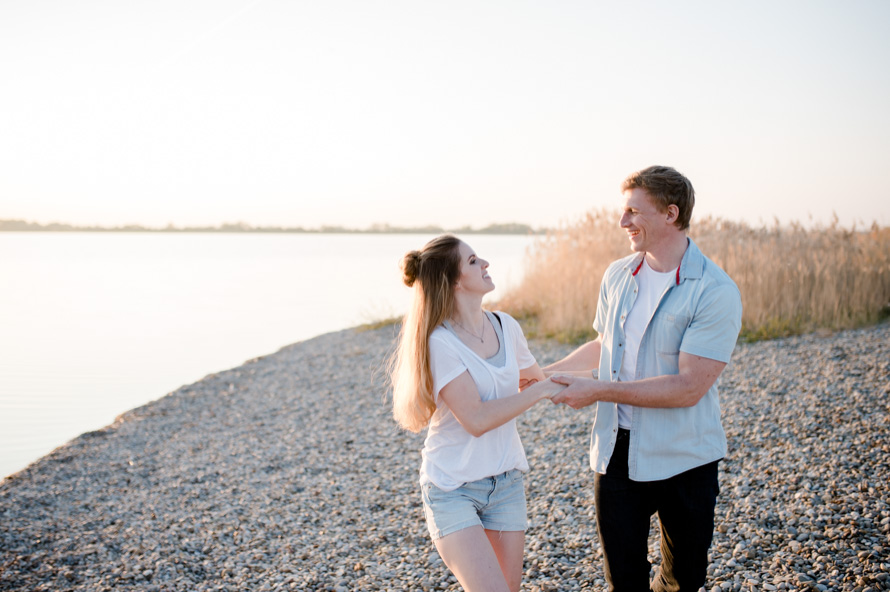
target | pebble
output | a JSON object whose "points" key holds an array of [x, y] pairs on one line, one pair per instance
{"points": [[288, 473]]}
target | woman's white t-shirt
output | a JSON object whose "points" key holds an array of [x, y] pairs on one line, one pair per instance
{"points": [[451, 456]]}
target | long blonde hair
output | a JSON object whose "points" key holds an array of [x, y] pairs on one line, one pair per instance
{"points": [[433, 272]]}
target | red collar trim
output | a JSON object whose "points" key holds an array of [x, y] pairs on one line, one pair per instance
{"points": [[637, 270]]}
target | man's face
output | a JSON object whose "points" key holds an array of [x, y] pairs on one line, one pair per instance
{"points": [[645, 225]]}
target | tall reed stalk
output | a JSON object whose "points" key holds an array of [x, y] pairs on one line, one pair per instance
{"points": [[792, 279]]}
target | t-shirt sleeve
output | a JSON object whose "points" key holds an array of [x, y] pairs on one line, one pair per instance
{"points": [[445, 363], [715, 325], [524, 356]]}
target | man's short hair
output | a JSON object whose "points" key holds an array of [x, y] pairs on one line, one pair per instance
{"points": [[666, 187]]}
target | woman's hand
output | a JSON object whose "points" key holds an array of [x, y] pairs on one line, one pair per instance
{"points": [[546, 389]]}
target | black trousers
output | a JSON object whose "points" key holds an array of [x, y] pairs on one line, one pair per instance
{"points": [[685, 507]]}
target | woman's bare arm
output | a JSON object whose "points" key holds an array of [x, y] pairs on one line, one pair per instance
{"points": [[478, 416]]}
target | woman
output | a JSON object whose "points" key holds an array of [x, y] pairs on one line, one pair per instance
{"points": [[457, 370]]}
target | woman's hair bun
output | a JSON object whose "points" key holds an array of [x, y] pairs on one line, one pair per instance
{"points": [[410, 267]]}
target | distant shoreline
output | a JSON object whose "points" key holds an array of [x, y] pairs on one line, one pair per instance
{"points": [[242, 227]]}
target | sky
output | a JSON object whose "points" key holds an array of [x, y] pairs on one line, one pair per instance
{"points": [[412, 112]]}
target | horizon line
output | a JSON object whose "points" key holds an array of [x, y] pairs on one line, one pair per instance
{"points": [[15, 225]]}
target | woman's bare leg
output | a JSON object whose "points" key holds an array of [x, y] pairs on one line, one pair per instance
{"points": [[509, 547], [470, 556]]}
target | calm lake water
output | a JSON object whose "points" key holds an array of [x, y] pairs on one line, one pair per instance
{"points": [[95, 324]]}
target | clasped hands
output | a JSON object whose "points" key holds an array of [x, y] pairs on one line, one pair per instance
{"points": [[578, 387]]}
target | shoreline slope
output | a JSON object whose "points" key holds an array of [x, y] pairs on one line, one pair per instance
{"points": [[288, 473]]}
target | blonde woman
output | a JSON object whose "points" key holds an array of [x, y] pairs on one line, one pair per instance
{"points": [[456, 372]]}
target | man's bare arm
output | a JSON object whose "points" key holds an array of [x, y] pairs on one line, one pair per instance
{"points": [[586, 357], [697, 375]]}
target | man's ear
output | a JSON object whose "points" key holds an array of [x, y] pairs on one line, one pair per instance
{"points": [[673, 212]]}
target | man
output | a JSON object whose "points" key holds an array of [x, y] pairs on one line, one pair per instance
{"points": [[668, 319]]}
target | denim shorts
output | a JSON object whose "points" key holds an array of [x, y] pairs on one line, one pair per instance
{"points": [[494, 503]]}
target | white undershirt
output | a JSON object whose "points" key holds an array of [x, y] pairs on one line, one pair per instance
{"points": [[651, 285]]}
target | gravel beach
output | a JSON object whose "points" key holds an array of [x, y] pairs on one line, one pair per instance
{"points": [[288, 473]]}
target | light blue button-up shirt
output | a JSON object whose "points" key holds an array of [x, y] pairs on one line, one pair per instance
{"points": [[701, 314]]}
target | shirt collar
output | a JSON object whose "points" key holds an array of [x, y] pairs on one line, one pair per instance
{"points": [[691, 266]]}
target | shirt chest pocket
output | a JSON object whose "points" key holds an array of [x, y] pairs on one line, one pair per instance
{"points": [[667, 332]]}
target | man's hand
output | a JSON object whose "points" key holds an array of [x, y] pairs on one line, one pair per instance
{"points": [[685, 389], [524, 383], [580, 393]]}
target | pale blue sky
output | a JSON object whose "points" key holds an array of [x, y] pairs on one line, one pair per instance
{"points": [[408, 112]]}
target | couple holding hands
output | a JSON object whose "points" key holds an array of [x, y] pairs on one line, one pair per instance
{"points": [[667, 320]]}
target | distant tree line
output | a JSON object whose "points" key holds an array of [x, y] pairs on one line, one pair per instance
{"points": [[510, 228]]}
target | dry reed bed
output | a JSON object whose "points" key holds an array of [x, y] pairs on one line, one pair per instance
{"points": [[792, 279]]}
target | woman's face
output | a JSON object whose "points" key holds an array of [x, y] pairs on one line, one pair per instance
{"points": [[474, 276]]}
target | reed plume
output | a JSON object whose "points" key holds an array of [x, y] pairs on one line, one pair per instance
{"points": [[792, 279]]}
